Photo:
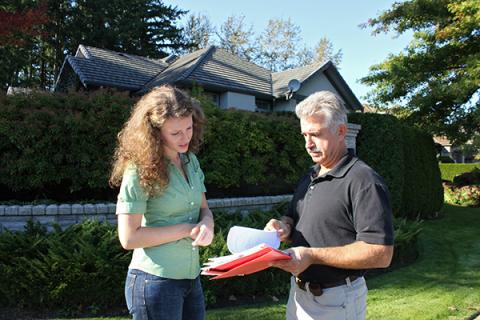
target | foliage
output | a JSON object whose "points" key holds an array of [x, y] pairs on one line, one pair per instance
{"points": [[20, 23], [75, 136], [59, 145], [198, 32], [278, 44], [406, 238], [438, 76], [147, 28], [82, 269], [468, 196], [236, 37], [445, 159], [412, 174], [468, 178], [264, 153], [450, 170], [324, 52]]}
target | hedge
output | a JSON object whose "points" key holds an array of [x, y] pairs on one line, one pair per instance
{"points": [[406, 158], [60, 147], [450, 170]]}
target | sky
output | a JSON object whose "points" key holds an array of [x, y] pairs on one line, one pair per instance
{"points": [[337, 20]]}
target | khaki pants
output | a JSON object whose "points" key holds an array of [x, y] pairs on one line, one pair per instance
{"points": [[346, 302]]}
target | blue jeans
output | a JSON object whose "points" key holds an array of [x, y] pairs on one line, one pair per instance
{"points": [[156, 298]]}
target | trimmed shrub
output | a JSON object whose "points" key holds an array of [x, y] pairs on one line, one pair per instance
{"points": [[59, 146], [405, 158], [468, 178]]}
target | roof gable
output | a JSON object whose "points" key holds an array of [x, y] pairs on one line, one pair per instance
{"points": [[280, 79], [303, 74], [102, 67], [216, 68]]}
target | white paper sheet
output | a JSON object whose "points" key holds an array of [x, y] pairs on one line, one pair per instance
{"points": [[242, 238]]}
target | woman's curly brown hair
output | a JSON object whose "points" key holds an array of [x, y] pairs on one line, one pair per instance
{"points": [[140, 141]]}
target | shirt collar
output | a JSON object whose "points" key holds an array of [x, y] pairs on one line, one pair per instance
{"points": [[340, 169]]}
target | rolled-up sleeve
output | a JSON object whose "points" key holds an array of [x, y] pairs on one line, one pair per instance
{"points": [[131, 197]]}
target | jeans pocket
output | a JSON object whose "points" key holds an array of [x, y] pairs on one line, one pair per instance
{"points": [[130, 290]]}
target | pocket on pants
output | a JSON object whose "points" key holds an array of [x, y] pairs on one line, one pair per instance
{"points": [[130, 290]]}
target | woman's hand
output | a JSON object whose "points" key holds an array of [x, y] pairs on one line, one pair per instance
{"points": [[202, 234]]}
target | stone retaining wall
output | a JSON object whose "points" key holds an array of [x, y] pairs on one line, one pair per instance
{"points": [[15, 217]]}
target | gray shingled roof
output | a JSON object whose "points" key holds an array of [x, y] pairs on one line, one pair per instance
{"points": [[96, 66], [280, 79], [178, 70], [215, 67], [212, 68]]}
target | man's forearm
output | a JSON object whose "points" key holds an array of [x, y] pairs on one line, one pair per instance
{"points": [[357, 255]]}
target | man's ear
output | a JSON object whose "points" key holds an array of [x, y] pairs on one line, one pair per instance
{"points": [[342, 130]]}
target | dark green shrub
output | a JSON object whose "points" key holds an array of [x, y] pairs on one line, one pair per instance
{"points": [[59, 145], [445, 159], [80, 269], [406, 241], [380, 144], [468, 178], [248, 153], [422, 192], [405, 158]]}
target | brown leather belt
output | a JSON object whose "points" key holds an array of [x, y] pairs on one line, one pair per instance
{"points": [[317, 288]]}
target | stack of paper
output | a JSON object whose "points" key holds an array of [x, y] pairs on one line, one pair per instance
{"points": [[252, 249]]}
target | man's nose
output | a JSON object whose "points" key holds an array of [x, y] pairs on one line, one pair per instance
{"points": [[309, 142]]}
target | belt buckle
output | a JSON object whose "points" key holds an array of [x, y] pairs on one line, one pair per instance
{"points": [[316, 290]]}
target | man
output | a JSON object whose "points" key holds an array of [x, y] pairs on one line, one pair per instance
{"points": [[339, 221]]}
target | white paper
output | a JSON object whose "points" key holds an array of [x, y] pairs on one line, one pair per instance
{"points": [[242, 238]]}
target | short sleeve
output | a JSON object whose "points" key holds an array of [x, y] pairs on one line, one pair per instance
{"points": [[131, 198], [373, 215]]}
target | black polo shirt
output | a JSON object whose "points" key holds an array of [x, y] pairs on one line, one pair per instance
{"points": [[349, 203]]}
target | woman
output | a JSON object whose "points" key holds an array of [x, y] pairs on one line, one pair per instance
{"points": [[162, 210]]}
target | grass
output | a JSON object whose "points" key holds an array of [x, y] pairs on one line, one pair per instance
{"points": [[444, 283]]}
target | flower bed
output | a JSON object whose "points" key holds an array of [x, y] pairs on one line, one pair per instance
{"points": [[468, 196]]}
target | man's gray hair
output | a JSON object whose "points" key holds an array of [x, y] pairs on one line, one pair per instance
{"points": [[326, 103]]}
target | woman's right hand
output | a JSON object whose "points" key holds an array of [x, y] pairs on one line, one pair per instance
{"points": [[202, 235]]}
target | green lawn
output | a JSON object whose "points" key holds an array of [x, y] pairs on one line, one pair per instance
{"points": [[444, 283]]}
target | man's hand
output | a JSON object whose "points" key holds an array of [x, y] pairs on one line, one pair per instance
{"points": [[283, 229], [301, 260]]}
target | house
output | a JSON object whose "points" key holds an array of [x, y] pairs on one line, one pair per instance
{"points": [[227, 79], [230, 81]]}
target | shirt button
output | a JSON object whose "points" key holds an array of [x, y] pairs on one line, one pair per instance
{"points": [[312, 187], [192, 187], [192, 203], [190, 218], [193, 249]]}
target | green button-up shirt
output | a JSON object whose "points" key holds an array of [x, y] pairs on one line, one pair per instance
{"points": [[179, 203]]}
